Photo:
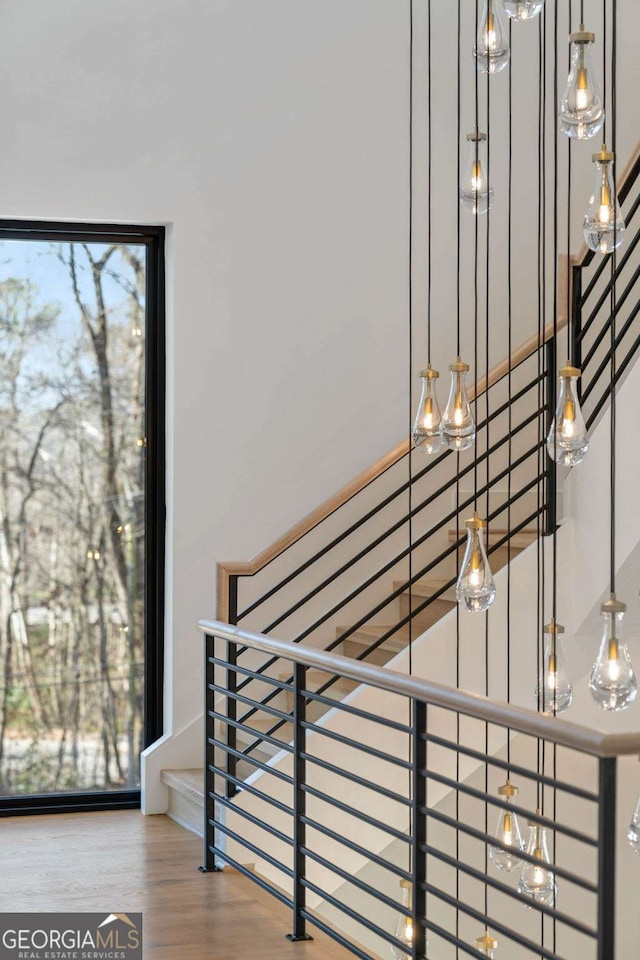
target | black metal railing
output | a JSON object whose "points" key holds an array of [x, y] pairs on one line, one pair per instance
{"points": [[349, 590], [349, 808], [592, 310]]}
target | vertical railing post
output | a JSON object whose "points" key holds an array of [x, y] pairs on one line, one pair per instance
{"points": [[299, 800], [208, 858], [232, 684], [419, 822], [550, 469], [576, 321], [232, 712], [607, 774]]}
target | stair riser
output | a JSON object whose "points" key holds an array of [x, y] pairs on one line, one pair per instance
{"points": [[427, 617], [379, 657], [188, 813]]}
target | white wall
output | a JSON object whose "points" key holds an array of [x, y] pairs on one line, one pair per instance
{"points": [[272, 137]]}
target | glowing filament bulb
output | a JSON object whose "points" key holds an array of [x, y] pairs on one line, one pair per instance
{"points": [[581, 110], [427, 429], [490, 37], [537, 881], [404, 932], [567, 442], [475, 584], [554, 692], [507, 834], [613, 682], [603, 226], [458, 425], [491, 49], [476, 195]]}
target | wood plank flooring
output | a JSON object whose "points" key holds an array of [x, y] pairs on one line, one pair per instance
{"points": [[121, 862]]}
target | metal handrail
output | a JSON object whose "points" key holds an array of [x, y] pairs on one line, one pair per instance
{"points": [[519, 719]]}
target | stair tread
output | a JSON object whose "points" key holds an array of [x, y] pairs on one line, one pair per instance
{"points": [[188, 783], [426, 588], [374, 631], [518, 540]]}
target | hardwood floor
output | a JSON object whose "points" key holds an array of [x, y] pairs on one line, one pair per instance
{"points": [[121, 862]]}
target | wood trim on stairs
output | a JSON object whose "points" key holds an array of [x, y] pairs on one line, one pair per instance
{"points": [[227, 569]]}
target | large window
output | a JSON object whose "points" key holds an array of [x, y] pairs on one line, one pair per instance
{"points": [[81, 511]]}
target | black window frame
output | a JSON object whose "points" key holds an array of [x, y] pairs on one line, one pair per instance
{"points": [[153, 238]]}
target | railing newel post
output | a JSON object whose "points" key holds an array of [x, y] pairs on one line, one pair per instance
{"points": [[232, 710], [419, 822], [607, 774], [576, 321], [550, 471], [208, 858], [232, 686], [299, 803]]}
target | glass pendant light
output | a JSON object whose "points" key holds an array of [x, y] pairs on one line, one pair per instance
{"points": [[458, 425], [603, 224], [475, 583], [491, 49], [427, 429], [581, 109], [486, 945], [523, 9], [476, 195], [567, 442], [633, 836], [554, 691], [613, 683], [537, 881], [508, 833], [404, 926]]}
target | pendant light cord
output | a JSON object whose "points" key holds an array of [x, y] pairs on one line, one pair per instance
{"points": [[509, 372], [429, 259], [409, 456], [554, 604], [570, 351], [604, 69], [614, 306], [475, 274], [459, 94]]}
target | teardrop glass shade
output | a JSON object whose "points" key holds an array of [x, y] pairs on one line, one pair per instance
{"points": [[581, 109], [633, 836], [427, 428], [475, 587], [508, 834], [523, 9], [603, 227], [537, 881], [476, 195], [458, 425], [567, 442], [554, 692], [613, 683], [404, 924], [491, 50]]}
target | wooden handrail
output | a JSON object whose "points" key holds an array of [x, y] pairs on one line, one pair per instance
{"points": [[506, 715], [225, 570]]}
